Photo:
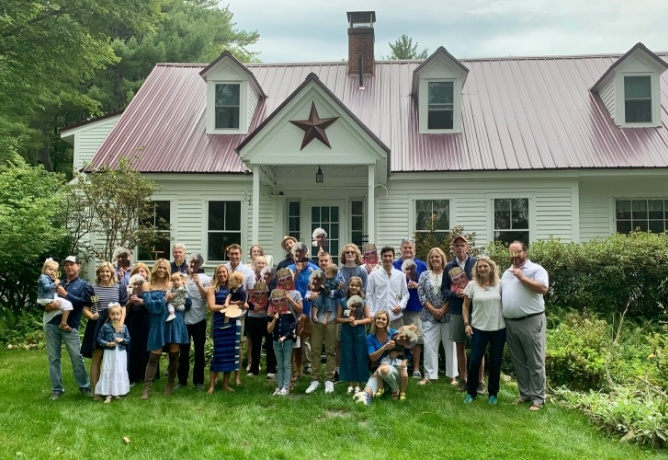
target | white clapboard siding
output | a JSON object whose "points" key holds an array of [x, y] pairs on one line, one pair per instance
{"points": [[608, 97], [88, 138]]}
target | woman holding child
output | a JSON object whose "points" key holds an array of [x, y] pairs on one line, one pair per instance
{"points": [[107, 291], [226, 340], [163, 333]]}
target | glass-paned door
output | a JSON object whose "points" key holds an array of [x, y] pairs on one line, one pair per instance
{"points": [[328, 217]]}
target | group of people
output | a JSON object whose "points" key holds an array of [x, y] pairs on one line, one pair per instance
{"points": [[373, 316]]}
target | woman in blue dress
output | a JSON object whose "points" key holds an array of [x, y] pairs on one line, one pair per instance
{"points": [[226, 340], [163, 334]]}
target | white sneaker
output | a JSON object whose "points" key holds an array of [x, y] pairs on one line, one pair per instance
{"points": [[351, 390], [271, 376], [284, 392], [170, 318], [329, 387], [312, 387], [276, 391], [357, 389]]}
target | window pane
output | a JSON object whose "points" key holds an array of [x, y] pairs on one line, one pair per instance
{"points": [[294, 208], [440, 92], [219, 241], [358, 207], [640, 225], [520, 213], [624, 226], [508, 237], [227, 117], [334, 213], [225, 215], [440, 119], [655, 208], [357, 222], [227, 94], [502, 214], [639, 209], [334, 232], [162, 214], [623, 209], [233, 215], [638, 111], [656, 226], [315, 214], [637, 88], [293, 224]]}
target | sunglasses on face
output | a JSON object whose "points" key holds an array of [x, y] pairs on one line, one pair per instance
{"points": [[349, 252]]}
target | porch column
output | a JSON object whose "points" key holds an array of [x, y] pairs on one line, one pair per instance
{"points": [[256, 206], [371, 203]]}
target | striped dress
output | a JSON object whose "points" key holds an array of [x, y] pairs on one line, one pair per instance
{"points": [[226, 342], [105, 295]]}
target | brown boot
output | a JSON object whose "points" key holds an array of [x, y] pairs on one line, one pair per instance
{"points": [[172, 369], [149, 375]]}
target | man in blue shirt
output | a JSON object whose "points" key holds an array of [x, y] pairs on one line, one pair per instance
{"points": [[78, 292], [414, 307]]}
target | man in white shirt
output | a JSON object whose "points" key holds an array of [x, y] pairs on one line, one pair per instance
{"points": [[387, 290], [524, 285]]}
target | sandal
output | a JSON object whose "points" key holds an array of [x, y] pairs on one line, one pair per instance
{"points": [[380, 392], [520, 401], [395, 395], [424, 381], [535, 407], [296, 377], [402, 396]]}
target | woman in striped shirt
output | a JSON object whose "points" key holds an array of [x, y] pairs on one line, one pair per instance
{"points": [[107, 291]]}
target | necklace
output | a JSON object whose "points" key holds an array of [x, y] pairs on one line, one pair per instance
{"points": [[487, 286]]}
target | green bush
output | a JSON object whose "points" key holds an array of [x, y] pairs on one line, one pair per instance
{"points": [[22, 330], [614, 276], [579, 350]]}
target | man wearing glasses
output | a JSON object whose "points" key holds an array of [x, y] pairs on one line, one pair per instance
{"points": [[414, 307], [524, 285]]}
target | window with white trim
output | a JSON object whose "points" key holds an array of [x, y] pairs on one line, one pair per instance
{"points": [[511, 220], [294, 219], [638, 99], [227, 105], [641, 214], [432, 217], [159, 220], [224, 228], [440, 109]]}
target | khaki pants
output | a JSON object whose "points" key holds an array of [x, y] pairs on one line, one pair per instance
{"points": [[323, 334]]}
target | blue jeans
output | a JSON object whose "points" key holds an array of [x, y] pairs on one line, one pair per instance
{"points": [[55, 337], [479, 341], [283, 351]]}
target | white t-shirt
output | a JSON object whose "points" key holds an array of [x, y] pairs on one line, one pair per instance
{"points": [[518, 300], [486, 311], [197, 312]]}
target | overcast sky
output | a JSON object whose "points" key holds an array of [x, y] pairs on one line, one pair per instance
{"points": [[315, 30]]}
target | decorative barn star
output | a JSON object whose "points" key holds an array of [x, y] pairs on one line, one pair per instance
{"points": [[314, 127]]}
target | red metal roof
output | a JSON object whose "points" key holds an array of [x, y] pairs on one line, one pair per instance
{"points": [[517, 114]]}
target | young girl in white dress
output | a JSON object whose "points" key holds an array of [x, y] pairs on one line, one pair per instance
{"points": [[114, 339]]}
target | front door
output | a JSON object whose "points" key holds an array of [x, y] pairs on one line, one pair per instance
{"points": [[330, 216]]}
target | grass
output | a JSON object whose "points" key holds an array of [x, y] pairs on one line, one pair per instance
{"points": [[432, 423]]}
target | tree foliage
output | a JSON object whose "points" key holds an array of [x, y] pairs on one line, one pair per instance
{"points": [[403, 49], [108, 208], [29, 229]]}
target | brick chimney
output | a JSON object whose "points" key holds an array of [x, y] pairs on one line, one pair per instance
{"points": [[360, 41]]}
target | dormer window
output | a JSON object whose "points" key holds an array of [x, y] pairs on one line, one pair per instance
{"points": [[227, 105], [441, 105], [638, 99], [437, 89]]}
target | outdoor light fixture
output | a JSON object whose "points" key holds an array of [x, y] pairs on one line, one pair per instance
{"points": [[319, 176]]}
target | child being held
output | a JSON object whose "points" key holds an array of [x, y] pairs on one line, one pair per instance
{"points": [[46, 293], [237, 295], [113, 338], [328, 292], [179, 302]]}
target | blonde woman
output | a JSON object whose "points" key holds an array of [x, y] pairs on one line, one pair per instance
{"points": [[107, 291], [435, 319], [172, 334], [484, 325]]}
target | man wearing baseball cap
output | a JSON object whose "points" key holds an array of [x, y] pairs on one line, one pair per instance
{"points": [[78, 292], [456, 274]]}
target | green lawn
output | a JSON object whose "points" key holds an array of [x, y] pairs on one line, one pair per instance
{"points": [[432, 423]]}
